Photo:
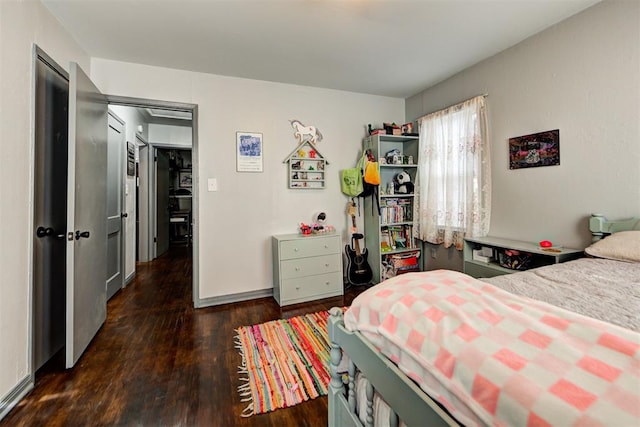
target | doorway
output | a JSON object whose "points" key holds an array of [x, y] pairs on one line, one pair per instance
{"points": [[169, 128], [69, 175], [174, 209], [160, 205]]}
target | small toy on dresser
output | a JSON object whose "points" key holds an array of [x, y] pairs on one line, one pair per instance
{"points": [[403, 184], [307, 229], [319, 225]]}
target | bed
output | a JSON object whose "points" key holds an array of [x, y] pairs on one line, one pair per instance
{"points": [[385, 370]]}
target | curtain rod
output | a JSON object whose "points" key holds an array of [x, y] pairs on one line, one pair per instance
{"points": [[484, 95]]}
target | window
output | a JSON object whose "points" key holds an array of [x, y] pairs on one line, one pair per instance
{"points": [[454, 178]]}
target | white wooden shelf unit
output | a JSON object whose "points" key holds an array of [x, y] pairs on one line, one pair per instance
{"points": [[306, 167]]}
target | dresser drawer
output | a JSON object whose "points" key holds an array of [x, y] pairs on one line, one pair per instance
{"points": [[301, 267], [297, 290], [309, 247]]}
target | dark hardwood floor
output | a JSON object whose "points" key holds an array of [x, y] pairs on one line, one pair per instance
{"points": [[157, 361]]}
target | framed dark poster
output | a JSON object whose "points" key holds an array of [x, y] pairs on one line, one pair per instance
{"points": [[538, 149]]}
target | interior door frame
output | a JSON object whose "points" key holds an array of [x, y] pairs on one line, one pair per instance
{"points": [[193, 109]]}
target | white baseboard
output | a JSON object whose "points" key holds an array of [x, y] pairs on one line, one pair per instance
{"points": [[129, 278], [14, 396], [228, 299]]}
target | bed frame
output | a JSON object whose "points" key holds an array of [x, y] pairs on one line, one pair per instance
{"points": [[407, 400], [600, 227]]}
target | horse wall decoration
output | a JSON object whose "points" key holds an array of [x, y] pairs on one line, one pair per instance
{"points": [[305, 133]]}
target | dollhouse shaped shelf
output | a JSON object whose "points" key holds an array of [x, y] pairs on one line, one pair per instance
{"points": [[306, 167]]}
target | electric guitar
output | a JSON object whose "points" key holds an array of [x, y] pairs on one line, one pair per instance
{"points": [[358, 269]]}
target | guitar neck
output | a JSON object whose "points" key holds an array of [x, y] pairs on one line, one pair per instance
{"points": [[357, 245], [354, 228], [352, 213]]}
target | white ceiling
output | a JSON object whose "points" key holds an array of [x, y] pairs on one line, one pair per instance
{"points": [[393, 48]]}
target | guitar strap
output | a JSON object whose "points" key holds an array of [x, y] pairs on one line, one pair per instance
{"points": [[374, 201], [375, 197]]}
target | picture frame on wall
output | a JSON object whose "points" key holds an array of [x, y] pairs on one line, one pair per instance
{"points": [[538, 149], [249, 152], [185, 179], [131, 159]]}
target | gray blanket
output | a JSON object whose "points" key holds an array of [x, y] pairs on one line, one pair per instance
{"points": [[603, 289]]}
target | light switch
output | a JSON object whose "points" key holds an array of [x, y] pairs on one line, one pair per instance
{"points": [[212, 184]]}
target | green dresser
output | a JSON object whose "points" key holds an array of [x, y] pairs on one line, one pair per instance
{"points": [[306, 268]]}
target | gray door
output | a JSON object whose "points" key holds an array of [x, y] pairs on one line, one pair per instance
{"points": [[162, 202], [50, 209], [86, 212], [115, 157]]}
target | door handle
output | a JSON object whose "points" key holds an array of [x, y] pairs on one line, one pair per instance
{"points": [[44, 232], [124, 214], [48, 231], [80, 234]]}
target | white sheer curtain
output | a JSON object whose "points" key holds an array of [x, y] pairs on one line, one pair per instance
{"points": [[453, 195]]}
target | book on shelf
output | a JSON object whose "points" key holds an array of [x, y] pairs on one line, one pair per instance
{"points": [[397, 237], [395, 210]]}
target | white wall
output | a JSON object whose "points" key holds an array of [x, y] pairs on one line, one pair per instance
{"points": [[237, 221], [170, 134], [21, 24], [581, 76]]}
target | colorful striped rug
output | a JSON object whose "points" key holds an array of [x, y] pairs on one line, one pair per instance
{"points": [[284, 362]]}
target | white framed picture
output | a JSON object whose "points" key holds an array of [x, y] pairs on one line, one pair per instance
{"points": [[249, 152], [184, 179]]}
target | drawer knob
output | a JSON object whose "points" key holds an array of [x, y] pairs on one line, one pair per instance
{"points": [[297, 288], [326, 283], [297, 268], [326, 246], [326, 265], [295, 249]]}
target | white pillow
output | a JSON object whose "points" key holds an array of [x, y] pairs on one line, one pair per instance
{"points": [[622, 246]]}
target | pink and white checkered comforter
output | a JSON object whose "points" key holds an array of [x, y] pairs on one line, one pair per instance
{"points": [[494, 358]]}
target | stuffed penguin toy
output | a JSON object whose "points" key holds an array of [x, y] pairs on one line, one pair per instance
{"points": [[403, 183]]}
